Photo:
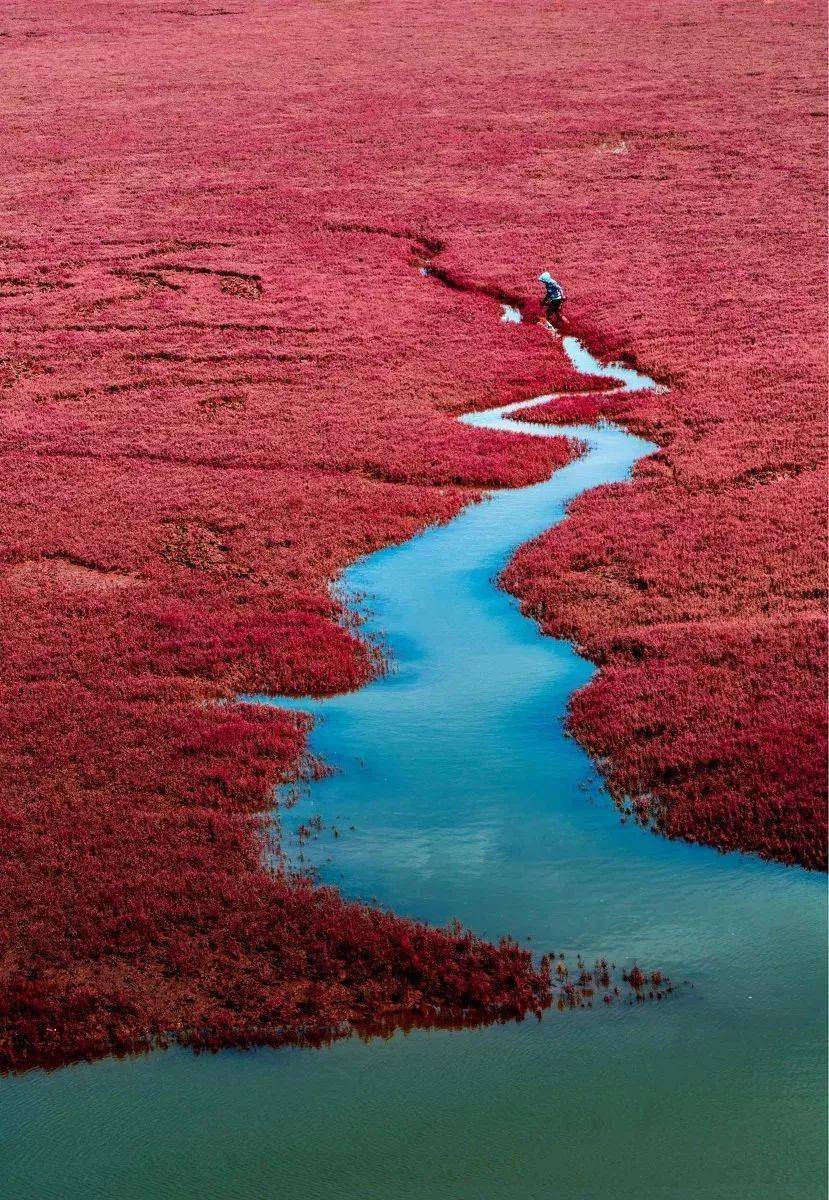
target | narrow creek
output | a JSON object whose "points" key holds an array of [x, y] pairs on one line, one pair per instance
{"points": [[457, 794]]}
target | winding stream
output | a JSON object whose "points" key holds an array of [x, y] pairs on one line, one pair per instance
{"points": [[457, 794]]}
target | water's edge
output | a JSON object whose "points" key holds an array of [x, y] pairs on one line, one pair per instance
{"points": [[608, 455]]}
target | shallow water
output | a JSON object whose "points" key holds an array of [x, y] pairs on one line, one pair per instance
{"points": [[467, 800]]}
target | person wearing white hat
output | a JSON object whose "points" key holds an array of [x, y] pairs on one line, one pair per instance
{"points": [[553, 294]]}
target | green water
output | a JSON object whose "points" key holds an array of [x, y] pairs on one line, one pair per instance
{"points": [[467, 800]]}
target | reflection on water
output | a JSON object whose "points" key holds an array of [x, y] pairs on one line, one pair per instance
{"points": [[458, 795]]}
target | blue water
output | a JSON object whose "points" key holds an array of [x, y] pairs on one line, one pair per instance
{"points": [[457, 794]]}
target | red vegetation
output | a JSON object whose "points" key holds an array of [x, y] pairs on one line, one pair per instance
{"points": [[708, 717], [222, 380], [586, 407]]}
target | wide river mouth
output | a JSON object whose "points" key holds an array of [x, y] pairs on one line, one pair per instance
{"points": [[457, 794]]}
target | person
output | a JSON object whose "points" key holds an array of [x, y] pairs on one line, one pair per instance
{"points": [[553, 294]]}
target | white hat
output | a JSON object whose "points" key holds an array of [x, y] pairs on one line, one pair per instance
{"points": [[545, 277]]}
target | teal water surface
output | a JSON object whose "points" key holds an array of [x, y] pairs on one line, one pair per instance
{"points": [[457, 794]]}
